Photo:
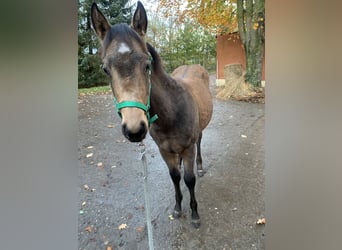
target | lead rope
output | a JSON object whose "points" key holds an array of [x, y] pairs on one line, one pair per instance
{"points": [[147, 202]]}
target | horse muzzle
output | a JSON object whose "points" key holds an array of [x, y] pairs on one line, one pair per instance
{"points": [[135, 135]]}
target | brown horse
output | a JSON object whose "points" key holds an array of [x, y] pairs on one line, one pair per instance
{"points": [[180, 106]]}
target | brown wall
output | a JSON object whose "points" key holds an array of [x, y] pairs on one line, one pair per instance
{"points": [[230, 51]]}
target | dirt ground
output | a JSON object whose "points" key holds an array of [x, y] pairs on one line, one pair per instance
{"points": [[230, 195]]}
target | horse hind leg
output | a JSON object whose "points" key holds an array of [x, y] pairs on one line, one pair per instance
{"points": [[200, 170], [190, 181]]}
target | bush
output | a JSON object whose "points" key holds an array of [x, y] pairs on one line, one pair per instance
{"points": [[90, 73]]}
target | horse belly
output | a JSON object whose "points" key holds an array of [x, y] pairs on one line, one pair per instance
{"points": [[205, 106]]}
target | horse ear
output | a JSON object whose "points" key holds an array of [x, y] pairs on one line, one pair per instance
{"points": [[139, 21], [99, 22]]}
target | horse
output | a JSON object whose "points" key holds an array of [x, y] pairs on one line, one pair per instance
{"points": [[173, 108]]}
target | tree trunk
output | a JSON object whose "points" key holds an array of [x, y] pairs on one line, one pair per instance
{"points": [[251, 29], [254, 56]]}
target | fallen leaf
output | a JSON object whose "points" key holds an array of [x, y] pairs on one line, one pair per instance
{"points": [[110, 126], [244, 136], [123, 226], [109, 248], [89, 155], [261, 221], [88, 229], [90, 147], [171, 217], [100, 164], [84, 203]]}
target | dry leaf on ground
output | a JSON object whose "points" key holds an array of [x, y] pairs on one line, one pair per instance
{"points": [[123, 226], [261, 221], [140, 229]]}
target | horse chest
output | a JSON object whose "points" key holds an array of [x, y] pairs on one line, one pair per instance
{"points": [[172, 142]]}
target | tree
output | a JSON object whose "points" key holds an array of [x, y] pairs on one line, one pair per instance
{"points": [[89, 72], [223, 16], [251, 23], [178, 44]]}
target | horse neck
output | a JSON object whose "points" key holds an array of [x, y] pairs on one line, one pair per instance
{"points": [[164, 92]]}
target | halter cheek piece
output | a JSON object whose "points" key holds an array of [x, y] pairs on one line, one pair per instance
{"points": [[135, 104]]}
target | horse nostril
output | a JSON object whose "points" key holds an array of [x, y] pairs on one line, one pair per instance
{"points": [[135, 135]]}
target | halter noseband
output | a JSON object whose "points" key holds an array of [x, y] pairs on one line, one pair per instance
{"points": [[135, 104]]}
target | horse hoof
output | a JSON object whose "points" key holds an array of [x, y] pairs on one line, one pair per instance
{"points": [[200, 173], [196, 223], [176, 214]]}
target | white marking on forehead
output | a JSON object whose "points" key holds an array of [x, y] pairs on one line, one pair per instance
{"points": [[123, 48]]}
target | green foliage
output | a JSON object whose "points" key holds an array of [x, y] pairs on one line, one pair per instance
{"points": [[89, 71], [180, 44]]}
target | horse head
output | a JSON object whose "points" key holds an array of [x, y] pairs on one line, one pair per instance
{"points": [[127, 62]]}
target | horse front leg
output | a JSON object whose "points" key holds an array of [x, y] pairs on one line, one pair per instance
{"points": [[173, 161], [188, 156]]}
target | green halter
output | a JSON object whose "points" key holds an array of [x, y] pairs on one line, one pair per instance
{"points": [[135, 104]]}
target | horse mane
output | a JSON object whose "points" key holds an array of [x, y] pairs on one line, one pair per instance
{"points": [[157, 62], [158, 68]]}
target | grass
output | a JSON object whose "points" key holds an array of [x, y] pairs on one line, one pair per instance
{"points": [[94, 90]]}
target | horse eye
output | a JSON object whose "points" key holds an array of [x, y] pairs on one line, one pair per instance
{"points": [[147, 67], [105, 70]]}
